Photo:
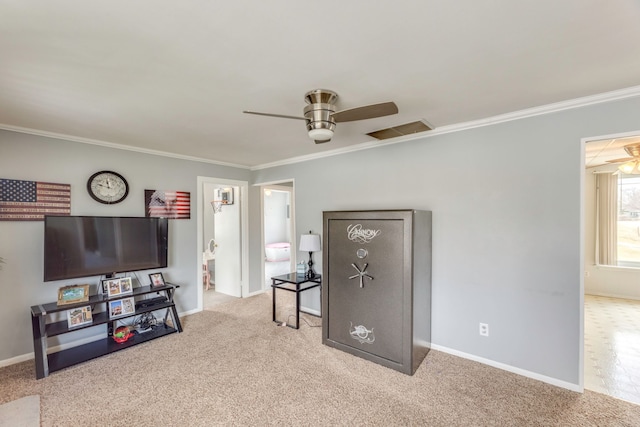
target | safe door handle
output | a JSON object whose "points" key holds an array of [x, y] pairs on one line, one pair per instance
{"points": [[361, 273]]}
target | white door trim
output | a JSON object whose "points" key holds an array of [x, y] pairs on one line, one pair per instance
{"points": [[244, 230]]}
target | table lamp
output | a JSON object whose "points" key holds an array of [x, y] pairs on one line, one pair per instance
{"points": [[310, 243]]}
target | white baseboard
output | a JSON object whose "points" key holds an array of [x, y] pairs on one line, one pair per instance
{"points": [[310, 311], [549, 380], [188, 313], [17, 359], [251, 294]]}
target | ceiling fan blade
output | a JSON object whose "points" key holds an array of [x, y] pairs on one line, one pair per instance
{"points": [[367, 112], [626, 159], [282, 116]]}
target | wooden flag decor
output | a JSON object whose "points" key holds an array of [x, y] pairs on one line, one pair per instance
{"points": [[31, 200], [168, 204]]}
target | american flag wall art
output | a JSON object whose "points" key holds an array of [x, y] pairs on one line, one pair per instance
{"points": [[31, 201], [168, 204]]}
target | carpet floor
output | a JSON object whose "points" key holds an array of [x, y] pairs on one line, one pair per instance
{"points": [[233, 366]]}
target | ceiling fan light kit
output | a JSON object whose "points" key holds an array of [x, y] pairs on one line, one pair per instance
{"points": [[321, 135], [631, 165], [321, 116], [630, 168]]}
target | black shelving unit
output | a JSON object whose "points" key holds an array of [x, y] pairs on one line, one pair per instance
{"points": [[47, 363]]}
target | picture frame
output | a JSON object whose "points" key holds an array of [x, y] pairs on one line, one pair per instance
{"points": [[73, 294], [115, 287], [167, 204], [110, 285], [126, 285], [121, 307], [157, 280], [79, 316]]}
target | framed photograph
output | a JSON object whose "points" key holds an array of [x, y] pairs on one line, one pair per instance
{"points": [[79, 316], [156, 280], [115, 287], [121, 307], [223, 195], [73, 294], [126, 285], [112, 287]]}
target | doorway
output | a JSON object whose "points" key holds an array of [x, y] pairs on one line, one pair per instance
{"points": [[610, 305], [278, 231], [222, 244]]}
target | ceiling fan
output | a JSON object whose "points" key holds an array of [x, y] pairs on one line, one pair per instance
{"points": [[321, 115], [630, 165]]}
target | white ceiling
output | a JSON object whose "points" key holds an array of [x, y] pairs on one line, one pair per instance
{"points": [[175, 76]]}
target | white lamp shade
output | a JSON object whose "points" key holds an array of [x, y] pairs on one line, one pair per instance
{"points": [[309, 243]]}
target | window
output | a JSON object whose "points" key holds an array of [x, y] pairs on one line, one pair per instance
{"points": [[628, 224], [618, 219]]}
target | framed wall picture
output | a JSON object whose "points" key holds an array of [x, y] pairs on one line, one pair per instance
{"points": [[73, 294], [168, 204], [121, 307], [79, 316], [156, 279]]}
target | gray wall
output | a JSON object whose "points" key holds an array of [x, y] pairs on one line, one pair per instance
{"points": [[38, 158], [506, 229]]}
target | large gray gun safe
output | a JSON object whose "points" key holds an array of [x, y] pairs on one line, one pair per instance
{"points": [[376, 290]]}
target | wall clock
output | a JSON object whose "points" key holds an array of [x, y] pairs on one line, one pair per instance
{"points": [[107, 187]]}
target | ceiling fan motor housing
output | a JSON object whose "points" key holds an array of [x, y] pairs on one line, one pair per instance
{"points": [[319, 114]]}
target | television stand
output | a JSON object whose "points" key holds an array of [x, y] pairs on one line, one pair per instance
{"points": [[47, 363]]}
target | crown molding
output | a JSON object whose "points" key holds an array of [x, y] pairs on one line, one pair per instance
{"points": [[611, 96], [116, 146], [615, 95]]}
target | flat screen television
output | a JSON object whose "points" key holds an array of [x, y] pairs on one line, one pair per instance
{"points": [[82, 246]]}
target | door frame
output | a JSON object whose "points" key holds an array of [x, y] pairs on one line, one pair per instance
{"points": [[244, 232], [277, 185], [582, 222]]}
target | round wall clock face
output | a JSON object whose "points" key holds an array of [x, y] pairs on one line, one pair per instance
{"points": [[108, 187]]}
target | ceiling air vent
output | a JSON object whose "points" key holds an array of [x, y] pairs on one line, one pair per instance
{"points": [[402, 130]]}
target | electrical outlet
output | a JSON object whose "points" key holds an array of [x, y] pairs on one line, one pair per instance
{"points": [[484, 329]]}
